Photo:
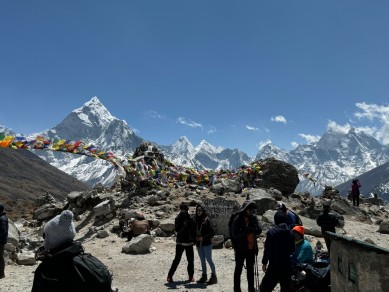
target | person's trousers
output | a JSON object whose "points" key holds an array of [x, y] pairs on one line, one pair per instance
{"points": [[274, 276], [189, 256], [240, 257], [356, 200], [2, 263], [205, 254]]}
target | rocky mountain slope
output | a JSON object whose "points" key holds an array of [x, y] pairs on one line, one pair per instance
{"points": [[24, 177]]}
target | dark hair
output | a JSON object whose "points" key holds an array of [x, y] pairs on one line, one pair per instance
{"points": [[184, 207], [204, 213]]}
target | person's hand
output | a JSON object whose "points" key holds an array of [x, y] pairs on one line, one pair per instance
{"points": [[199, 238], [264, 268]]}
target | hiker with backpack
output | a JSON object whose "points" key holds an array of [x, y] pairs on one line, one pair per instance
{"points": [[292, 218], [184, 227], [245, 229], [204, 234], [65, 267], [276, 260]]}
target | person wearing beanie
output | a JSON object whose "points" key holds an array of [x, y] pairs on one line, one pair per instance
{"points": [[56, 272], [184, 227], [327, 222], [3, 238], [292, 218], [245, 231], [276, 260], [303, 250]]}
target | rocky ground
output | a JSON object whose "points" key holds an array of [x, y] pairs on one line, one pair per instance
{"points": [[147, 272]]}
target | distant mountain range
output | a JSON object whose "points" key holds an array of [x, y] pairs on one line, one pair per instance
{"points": [[336, 158]]}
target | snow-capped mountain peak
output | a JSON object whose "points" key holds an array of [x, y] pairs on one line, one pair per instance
{"points": [[93, 112], [204, 146], [182, 146]]}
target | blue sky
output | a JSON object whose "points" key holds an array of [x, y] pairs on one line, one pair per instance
{"points": [[234, 73]]}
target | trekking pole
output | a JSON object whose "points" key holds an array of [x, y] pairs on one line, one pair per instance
{"points": [[256, 274]]}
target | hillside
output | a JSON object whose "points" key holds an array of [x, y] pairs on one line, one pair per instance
{"points": [[24, 177]]}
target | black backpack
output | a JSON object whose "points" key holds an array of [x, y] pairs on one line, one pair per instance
{"points": [[92, 274]]}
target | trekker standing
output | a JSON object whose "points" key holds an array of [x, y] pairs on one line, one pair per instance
{"points": [[355, 191], [276, 261], [3, 238], [184, 227], [245, 230], [57, 271], [204, 234], [327, 222], [303, 250]]}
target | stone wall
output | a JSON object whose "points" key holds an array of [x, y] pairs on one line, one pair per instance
{"points": [[358, 266]]}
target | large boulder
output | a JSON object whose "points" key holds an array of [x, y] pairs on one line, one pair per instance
{"points": [[279, 175], [264, 199], [139, 245]]}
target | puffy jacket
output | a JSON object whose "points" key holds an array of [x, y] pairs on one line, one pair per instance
{"points": [[184, 226], [279, 246], [203, 228], [3, 228]]}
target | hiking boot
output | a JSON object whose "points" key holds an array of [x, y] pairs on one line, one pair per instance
{"points": [[212, 280], [169, 279], [203, 279], [191, 279]]}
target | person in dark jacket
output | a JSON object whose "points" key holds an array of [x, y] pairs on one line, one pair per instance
{"points": [[327, 222], [184, 227], [204, 234], [276, 261], [292, 218], [57, 271], [355, 191], [245, 230], [3, 238]]}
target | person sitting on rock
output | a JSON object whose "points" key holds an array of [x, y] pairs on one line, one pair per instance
{"points": [[303, 252], [139, 226]]}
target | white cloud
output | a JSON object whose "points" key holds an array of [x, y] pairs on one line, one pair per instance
{"points": [[189, 123], [278, 119], [310, 138], [294, 144], [334, 127], [250, 128], [154, 115], [376, 112], [211, 130]]}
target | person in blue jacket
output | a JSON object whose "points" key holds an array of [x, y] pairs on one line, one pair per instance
{"points": [[303, 250]]}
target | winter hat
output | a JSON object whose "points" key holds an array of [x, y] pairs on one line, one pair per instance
{"points": [[299, 229], [59, 230], [279, 217]]}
